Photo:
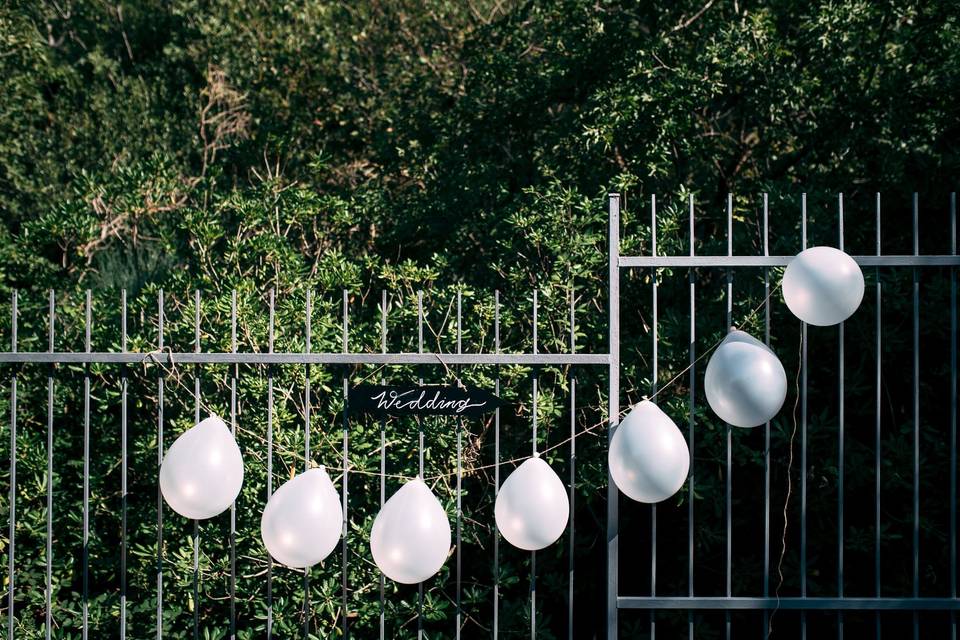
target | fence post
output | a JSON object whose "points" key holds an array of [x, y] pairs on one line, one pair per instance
{"points": [[613, 495]]}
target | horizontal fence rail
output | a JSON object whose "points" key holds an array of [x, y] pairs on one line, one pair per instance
{"points": [[439, 359], [791, 604], [778, 261]]}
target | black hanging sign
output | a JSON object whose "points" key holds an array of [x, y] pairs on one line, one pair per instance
{"points": [[425, 400]]}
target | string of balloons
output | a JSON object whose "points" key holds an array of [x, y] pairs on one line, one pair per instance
{"points": [[648, 457]]}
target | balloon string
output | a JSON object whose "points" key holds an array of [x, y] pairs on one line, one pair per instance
{"points": [[786, 500], [171, 372], [748, 319], [745, 322]]}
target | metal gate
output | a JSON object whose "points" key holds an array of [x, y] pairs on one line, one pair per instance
{"points": [[729, 601]]}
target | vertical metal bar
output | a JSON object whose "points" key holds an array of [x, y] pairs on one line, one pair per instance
{"points": [[533, 554], [840, 444], [877, 434], [85, 614], [344, 547], [803, 440], [308, 337], [11, 574], [766, 427], [270, 339], [458, 539], [196, 419], [420, 454], [953, 415], [160, 451], [51, 347], [496, 470], [691, 419], [308, 319], [729, 474], [123, 469], [916, 416], [571, 562], [383, 455], [233, 505], [459, 478], [613, 413], [196, 349], [653, 392]]}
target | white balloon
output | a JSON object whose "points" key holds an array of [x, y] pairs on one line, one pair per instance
{"points": [[532, 507], [410, 539], [745, 381], [303, 519], [649, 458], [202, 473], [823, 286]]}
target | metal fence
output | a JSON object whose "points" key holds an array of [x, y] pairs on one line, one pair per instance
{"points": [[119, 363], [766, 603], [616, 600]]}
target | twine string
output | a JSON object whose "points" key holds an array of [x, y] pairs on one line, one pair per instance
{"points": [[172, 372]]}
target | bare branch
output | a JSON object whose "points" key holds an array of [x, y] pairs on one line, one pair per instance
{"points": [[689, 21]]}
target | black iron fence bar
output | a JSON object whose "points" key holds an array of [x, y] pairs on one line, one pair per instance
{"points": [[782, 261], [86, 471], [766, 427], [383, 457], [722, 603], [307, 399], [123, 470], [420, 452], [728, 476], [459, 496], [11, 582], [270, 338], [613, 412], [692, 277], [953, 415], [346, 472], [234, 373], [306, 358], [51, 314], [877, 434], [496, 470], [160, 450], [803, 436], [573, 467], [840, 437], [916, 416], [533, 411], [196, 419], [653, 392]]}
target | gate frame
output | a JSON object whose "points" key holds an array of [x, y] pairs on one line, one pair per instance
{"points": [[616, 261]]}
